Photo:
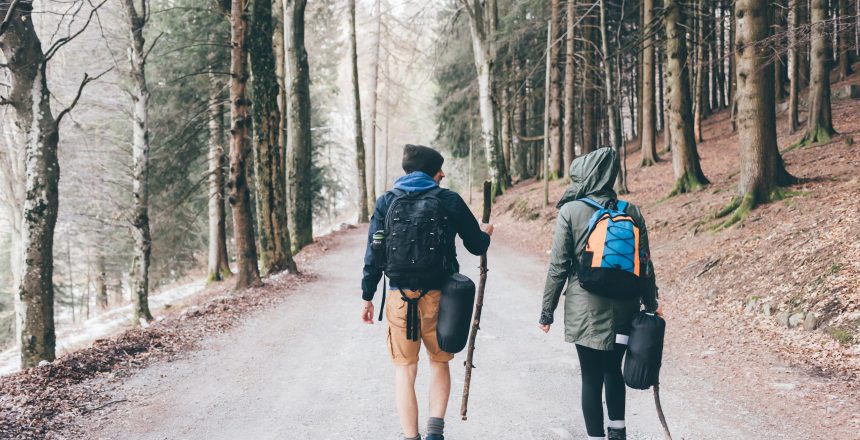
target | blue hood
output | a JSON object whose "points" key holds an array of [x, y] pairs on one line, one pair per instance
{"points": [[415, 181]]}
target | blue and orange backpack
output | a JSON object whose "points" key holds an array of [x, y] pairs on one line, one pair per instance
{"points": [[611, 264]]}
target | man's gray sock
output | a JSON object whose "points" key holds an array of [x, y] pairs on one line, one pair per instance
{"points": [[435, 426], [417, 437]]}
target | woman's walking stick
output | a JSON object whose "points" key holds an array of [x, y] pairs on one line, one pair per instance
{"points": [[479, 305], [660, 412]]}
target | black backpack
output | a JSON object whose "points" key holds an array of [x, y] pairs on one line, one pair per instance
{"points": [[415, 237]]}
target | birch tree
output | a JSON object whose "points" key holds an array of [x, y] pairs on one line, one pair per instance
{"points": [[137, 17]]}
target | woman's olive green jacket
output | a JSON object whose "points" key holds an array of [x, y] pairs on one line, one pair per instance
{"points": [[590, 320]]}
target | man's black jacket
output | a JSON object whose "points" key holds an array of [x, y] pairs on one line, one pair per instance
{"points": [[461, 222]]}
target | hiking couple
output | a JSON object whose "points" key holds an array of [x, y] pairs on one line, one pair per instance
{"points": [[413, 227]]}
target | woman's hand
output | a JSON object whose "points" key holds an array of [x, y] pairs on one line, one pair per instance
{"points": [[544, 327]]}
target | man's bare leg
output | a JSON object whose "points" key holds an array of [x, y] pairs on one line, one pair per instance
{"points": [[440, 388], [404, 397]]}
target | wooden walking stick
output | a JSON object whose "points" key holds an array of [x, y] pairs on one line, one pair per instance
{"points": [[479, 305], [660, 414]]}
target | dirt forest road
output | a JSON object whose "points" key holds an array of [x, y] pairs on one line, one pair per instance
{"points": [[310, 369]]}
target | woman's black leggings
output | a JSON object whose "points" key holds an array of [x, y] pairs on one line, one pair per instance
{"points": [[601, 369]]}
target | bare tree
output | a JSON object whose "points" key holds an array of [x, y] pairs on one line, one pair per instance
{"points": [[137, 17], [589, 82], [569, 80], [556, 160], [611, 103], [240, 149], [685, 157], [271, 185], [483, 19], [37, 130], [762, 168], [299, 161], [819, 127], [648, 135], [360, 162]]}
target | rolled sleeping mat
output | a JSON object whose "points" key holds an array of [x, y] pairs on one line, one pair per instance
{"points": [[455, 313], [644, 351]]}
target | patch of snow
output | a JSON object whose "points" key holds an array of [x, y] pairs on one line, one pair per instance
{"points": [[113, 321]]}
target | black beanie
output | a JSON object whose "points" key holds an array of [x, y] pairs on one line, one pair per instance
{"points": [[421, 158]]}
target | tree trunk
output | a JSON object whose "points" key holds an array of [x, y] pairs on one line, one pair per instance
{"points": [[219, 266], [140, 158], [685, 157], [505, 118], [300, 160], [721, 69], [793, 59], [271, 185], [845, 37], [803, 53], [36, 129], [611, 101], [556, 162], [648, 135], [569, 79], [732, 80], [279, 46], [762, 169], [482, 25], [240, 150], [820, 123], [700, 87], [589, 88], [776, 11], [520, 152], [374, 87], [363, 181], [101, 283]]}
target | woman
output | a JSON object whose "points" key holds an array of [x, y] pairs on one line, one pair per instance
{"points": [[597, 325]]}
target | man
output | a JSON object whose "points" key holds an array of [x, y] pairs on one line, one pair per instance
{"points": [[598, 325], [425, 241]]}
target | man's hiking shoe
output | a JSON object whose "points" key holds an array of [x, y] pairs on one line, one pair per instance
{"points": [[435, 437], [617, 434]]}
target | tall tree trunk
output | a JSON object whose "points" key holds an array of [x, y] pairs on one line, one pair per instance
{"points": [[363, 181], [661, 109], [776, 11], [589, 88], [520, 154], [685, 157], [569, 79], [648, 135], [819, 126], [300, 158], [482, 25], [240, 150], [374, 87], [700, 85], [101, 283], [279, 46], [762, 169], [36, 129], [219, 266], [271, 184], [793, 59], [803, 53], [611, 101], [505, 121], [721, 57], [140, 156], [845, 30], [556, 162]]}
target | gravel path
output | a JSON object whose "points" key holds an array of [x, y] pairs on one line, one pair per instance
{"points": [[309, 369]]}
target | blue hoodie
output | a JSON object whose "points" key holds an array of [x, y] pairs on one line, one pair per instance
{"points": [[460, 219]]}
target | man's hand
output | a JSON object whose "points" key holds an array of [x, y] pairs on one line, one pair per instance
{"points": [[659, 311], [367, 312], [488, 228], [544, 327]]}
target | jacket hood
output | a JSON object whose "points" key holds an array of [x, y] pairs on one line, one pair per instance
{"points": [[592, 175], [415, 181]]}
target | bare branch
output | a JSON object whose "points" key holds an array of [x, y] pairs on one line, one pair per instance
{"points": [[8, 19], [65, 40], [87, 79], [151, 46]]}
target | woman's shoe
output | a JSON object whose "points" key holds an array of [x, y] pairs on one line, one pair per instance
{"points": [[617, 434], [435, 437]]}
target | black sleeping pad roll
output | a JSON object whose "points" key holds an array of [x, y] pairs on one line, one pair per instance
{"points": [[455, 313], [644, 351]]}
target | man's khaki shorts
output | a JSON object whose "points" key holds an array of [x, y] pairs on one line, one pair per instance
{"points": [[402, 350]]}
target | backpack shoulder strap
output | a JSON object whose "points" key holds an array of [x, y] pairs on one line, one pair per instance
{"points": [[622, 205], [591, 203]]}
